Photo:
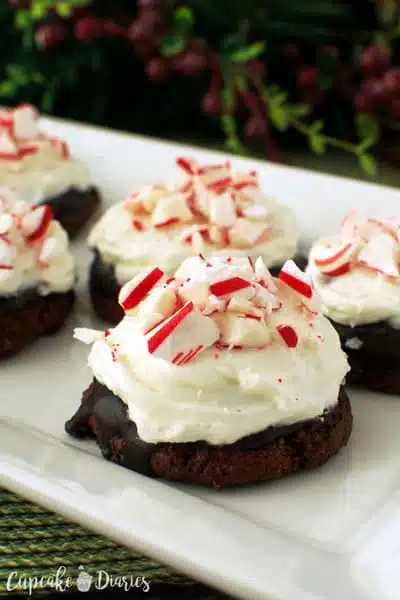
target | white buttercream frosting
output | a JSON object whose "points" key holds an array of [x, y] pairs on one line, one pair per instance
{"points": [[34, 164], [357, 272], [211, 210], [263, 353], [34, 250]]}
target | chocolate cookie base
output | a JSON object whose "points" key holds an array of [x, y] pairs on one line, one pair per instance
{"points": [[266, 456], [104, 287], [376, 364], [74, 208], [27, 316]]}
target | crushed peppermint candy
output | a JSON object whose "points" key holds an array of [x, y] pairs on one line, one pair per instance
{"points": [[20, 136], [212, 206], [372, 244], [224, 303]]}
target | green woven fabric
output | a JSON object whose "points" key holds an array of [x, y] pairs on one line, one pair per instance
{"points": [[35, 543]]}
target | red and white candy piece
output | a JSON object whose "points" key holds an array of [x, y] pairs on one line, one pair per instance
{"points": [[160, 304], [245, 233], [334, 262], [7, 122], [216, 178], [229, 286], [88, 336], [51, 248], [381, 254], [296, 279], [222, 210], [245, 180], [264, 276], [196, 291], [188, 165], [171, 209], [243, 331], [133, 292], [26, 122], [28, 150], [288, 335], [183, 336], [35, 222]]}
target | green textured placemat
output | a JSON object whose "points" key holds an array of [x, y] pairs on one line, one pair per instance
{"points": [[35, 543]]}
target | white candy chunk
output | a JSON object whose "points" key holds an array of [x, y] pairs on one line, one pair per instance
{"points": [[51, 248], [183, 336], [7, 145], [222, 210], [255, 212], [8, 254], [32, 220], [88, 336], [6, 222], [242, 331], [254, 193], [240, 305], [160, 301], [216, 235], [382, 254], [263, 275], [246, 233], [26, 123], [135, 291], [266, 299], [195, 290], [214, 305], [201, 200], [213, 174], [171, 207]]}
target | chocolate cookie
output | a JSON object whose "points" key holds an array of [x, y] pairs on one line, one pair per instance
{"points": [[74, 207], [104, 287], [268, 455], [374, 355], [27, 316]]}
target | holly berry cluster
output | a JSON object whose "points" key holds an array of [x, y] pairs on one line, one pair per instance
{"points": [[239, 82]]}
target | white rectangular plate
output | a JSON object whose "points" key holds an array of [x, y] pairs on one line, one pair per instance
{"points": [[329, 534]]}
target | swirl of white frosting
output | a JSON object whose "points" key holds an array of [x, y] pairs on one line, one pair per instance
{"points": [[167, 224], [248, 378], [357, 272], [34, 164], [26, 260]]}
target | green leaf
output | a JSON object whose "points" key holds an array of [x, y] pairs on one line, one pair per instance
{"points": [[172, 44], [38, 11], [228, 125], [22, 19], [316, 127], [368, 129], [317, 143], [183, 19], [48, 99], [228, 98], [251, 52], [7, 89], [279, 118], [64, 9], [368, 163], [299, 110]]}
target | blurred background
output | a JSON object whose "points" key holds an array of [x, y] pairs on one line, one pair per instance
{"points": [[288, 80]]}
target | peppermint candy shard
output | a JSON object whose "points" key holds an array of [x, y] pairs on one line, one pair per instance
{"points": [[334, 261], [7, 254], [8, 148], [379, 254], [6, 222], [61, 146], [296, 279], [25, 122], [228, 286], [188, 165], [183, 336], [288, 335], [36, 222], [222, 210], [133, 292]]}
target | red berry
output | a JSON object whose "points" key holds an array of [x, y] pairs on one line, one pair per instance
{"points": [[375, 91], [89, 28], [157, 69], [363, 103], [255, 129], [394, 108], [190, 63], [391, 81], [50, 35], [211, 103], [307, 77], [374, 60]]}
